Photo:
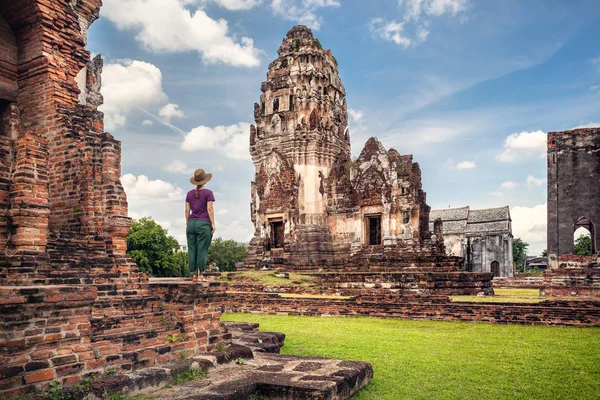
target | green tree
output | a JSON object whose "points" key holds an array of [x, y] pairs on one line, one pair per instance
{"points": [[544, 253], [519, 252], [583, 246], [225, 253], [153, 250]]}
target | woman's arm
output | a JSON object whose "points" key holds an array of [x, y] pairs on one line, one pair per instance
{"points": [[211, 215], [187, 212]]}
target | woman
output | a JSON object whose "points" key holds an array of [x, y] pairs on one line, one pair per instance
{"points": [[200, 221]]}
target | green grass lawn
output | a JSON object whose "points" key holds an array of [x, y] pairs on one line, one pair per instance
{"points": [[450, 360]]}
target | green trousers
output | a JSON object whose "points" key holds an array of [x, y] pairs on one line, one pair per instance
{"points": [[199, 235]]}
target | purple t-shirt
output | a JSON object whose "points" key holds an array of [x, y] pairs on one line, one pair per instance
{"points": [[198, 205]]}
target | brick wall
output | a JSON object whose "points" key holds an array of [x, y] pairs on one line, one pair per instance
{"points": [[440, 308], [64, 333]]}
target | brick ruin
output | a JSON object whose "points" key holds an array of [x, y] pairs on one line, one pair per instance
{"points": [[573, 189], [312, 205], [573, 202], [72, 302]]}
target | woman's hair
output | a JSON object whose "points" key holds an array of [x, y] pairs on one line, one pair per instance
{"points": [[197, 194]]}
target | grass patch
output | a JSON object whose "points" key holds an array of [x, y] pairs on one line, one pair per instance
{"points": [[494, 299], [268, 278], [517, 292], [504, 295], [450, 360], [189, 375], [314, 296]]}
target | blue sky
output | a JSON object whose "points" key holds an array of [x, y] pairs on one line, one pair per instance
{"points": [[468, 87]]}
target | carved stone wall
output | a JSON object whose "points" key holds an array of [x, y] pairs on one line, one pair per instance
{"points": [[330, 207]]}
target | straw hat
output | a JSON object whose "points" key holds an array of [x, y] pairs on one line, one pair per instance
{"points": [[200, 177]]}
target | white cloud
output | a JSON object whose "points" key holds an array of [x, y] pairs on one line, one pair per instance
{"points": [[144, 190], [529, 224], [126, 86], [497, 194], [509, 185], [392, 31], [232, 141], [466, 165], [162, 201], [417, 17], [147, 122], [171, 26], [416, 9], [533, 182], [178, 167], [595, 88], [356, 115], [169, 111], [302, 11], [234, 5], [588, 125], [524, 144]]}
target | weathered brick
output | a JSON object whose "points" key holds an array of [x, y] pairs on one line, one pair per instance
{"points": [[39, 376], [35, 365]]}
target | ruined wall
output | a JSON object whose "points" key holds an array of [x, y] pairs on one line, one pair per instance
{"points": [[61, 171], [72, 302], [573, 189], [416, 306]]}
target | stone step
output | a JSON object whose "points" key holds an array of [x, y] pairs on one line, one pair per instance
{"points": [[275, 376]]}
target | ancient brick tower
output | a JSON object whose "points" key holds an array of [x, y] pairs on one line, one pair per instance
{"points": [[301, 130], [71, 301], [311, 205], [60, 194], [573, 190]]}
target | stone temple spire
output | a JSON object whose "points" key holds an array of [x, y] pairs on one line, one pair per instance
{"points": [[301, 130], [302, 110]]}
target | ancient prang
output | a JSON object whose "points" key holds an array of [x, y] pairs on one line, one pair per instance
{"points": [[72, 302], [482, 237], [311, 204]]}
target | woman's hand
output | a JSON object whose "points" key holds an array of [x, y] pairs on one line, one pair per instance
{"points": [[212, 232]]}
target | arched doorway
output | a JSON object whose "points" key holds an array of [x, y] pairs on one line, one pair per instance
{"points": [[495, 268], [584, 237]]}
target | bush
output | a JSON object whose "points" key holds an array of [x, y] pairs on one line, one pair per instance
{"points": [[154, 251], [225, 253]]}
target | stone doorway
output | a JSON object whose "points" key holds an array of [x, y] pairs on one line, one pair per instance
{"points": [[277, 234], [374, 230], [495, 268]]}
